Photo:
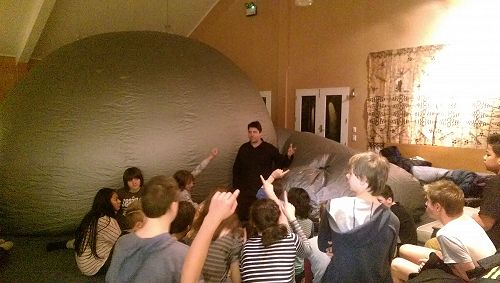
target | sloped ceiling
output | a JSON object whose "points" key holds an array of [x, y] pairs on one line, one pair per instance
{"points": [[34, 28]]}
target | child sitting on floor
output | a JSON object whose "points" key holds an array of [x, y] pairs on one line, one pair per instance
{"points": [[463, 242], [183, 221], [97, 233], [407, 228], [270, 255], [185, 179], [302, 202], [134, 216], [224, 251]]}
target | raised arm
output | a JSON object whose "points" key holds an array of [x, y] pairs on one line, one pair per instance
{"points": [[269, 190], [276, 174], [221, 207], [284, 160], [213, 153], [304, 247], [267, 185]]}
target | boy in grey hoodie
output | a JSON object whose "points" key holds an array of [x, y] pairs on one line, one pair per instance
{"points": [[151, 254], [363, 233]]}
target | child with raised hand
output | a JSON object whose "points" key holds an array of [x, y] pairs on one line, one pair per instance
{"points": [[270, 255], [223, 257], [361, 232], [97, 234], [185, 179], [222, 205], [276, 175]]}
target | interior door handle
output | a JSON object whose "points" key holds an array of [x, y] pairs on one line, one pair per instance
{"points": [[320, 128]]}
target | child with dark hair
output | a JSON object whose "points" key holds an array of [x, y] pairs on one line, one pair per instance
{"points": [[489, 211], [276, 179], [407, 227], [278, 189], [182, 222], [97, 234], [270, 255], [185, 179], [130, 192], [254, 158], [302, 202]]}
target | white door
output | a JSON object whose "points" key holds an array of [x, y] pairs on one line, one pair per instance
{"points": [[323, 111]]}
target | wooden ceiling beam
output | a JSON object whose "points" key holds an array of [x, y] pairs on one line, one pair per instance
{"points": [[33, 29]]}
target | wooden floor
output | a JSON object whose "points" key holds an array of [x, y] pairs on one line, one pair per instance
{"points": [[30, 262]]}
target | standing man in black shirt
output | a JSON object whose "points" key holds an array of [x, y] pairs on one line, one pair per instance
{"points": [[255, 158]]}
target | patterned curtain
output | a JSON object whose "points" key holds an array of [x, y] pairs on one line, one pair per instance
{"points": [[412, 99]]}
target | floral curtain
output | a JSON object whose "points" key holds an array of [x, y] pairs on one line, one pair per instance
{"points": [[413, 99]]}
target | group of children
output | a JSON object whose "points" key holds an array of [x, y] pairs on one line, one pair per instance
{"points": [[357, 239]]}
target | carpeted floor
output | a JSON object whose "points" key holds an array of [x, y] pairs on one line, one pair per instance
{"points": [[29, 262]]}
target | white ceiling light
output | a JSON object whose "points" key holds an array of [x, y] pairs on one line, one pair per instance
{"points": [[303, 3]]}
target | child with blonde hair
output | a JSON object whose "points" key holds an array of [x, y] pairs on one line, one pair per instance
{"points": [[134, 216], [361, 232]]}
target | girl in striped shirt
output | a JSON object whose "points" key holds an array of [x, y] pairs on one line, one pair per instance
{"points": [[270, 255], [98, 233], [224, 252]]}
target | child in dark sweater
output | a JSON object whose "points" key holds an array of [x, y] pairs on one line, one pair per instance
{"points": [[407, 227]]}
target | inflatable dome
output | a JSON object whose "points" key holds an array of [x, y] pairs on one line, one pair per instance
{"points": [[320, 166], [99, 105]]}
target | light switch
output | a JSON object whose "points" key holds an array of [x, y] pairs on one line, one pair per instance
{"points": [[354, 129]]}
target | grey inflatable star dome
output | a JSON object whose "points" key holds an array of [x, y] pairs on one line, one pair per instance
{"points": [[99, 105]]}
